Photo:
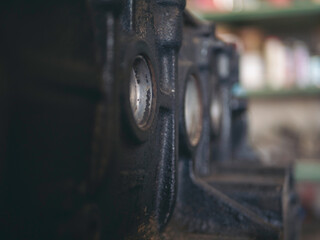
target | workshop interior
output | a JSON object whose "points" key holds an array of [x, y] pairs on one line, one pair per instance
{"points": [[160, 120]]}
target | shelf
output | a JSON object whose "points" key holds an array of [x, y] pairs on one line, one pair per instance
{"points": [[298, 9], [269, 93]]}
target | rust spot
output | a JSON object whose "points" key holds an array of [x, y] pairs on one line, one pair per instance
{"points": [[148, 231]]}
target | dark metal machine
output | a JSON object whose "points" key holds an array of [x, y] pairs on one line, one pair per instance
{"points": [[118, 122]]}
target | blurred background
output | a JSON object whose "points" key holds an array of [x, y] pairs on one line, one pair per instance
{"points": [[279, 45]]}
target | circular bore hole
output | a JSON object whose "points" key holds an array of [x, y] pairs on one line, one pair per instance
{"points": [[141, 91], [223, 64], [193, 110], [215, 113]]}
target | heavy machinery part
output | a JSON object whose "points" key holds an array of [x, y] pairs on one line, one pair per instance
{"points": [[207, 209], [91, 150], [108, 132]]}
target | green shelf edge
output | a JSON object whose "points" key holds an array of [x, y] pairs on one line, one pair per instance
{"points": [[296, 92], [266, 12]]}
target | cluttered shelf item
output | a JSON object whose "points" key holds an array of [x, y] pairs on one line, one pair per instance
{"points": [[277, 54]]}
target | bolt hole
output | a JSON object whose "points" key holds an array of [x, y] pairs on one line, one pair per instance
{"points": [[223, 64], [141, 91], [215, 113], [193, 110]]}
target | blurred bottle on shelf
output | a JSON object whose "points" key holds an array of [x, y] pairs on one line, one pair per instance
{"points": [[276, 63], [315, 70], [251, 61], [280, 65], [251, 70], [301, 59], [290, 75]]}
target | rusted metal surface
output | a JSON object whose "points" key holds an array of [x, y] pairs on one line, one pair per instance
{"points": [[119, 123]]}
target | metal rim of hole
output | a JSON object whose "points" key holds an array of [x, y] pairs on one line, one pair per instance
{"points": [[215, 113], [223, 63], [193, 110], [141, 92]]}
